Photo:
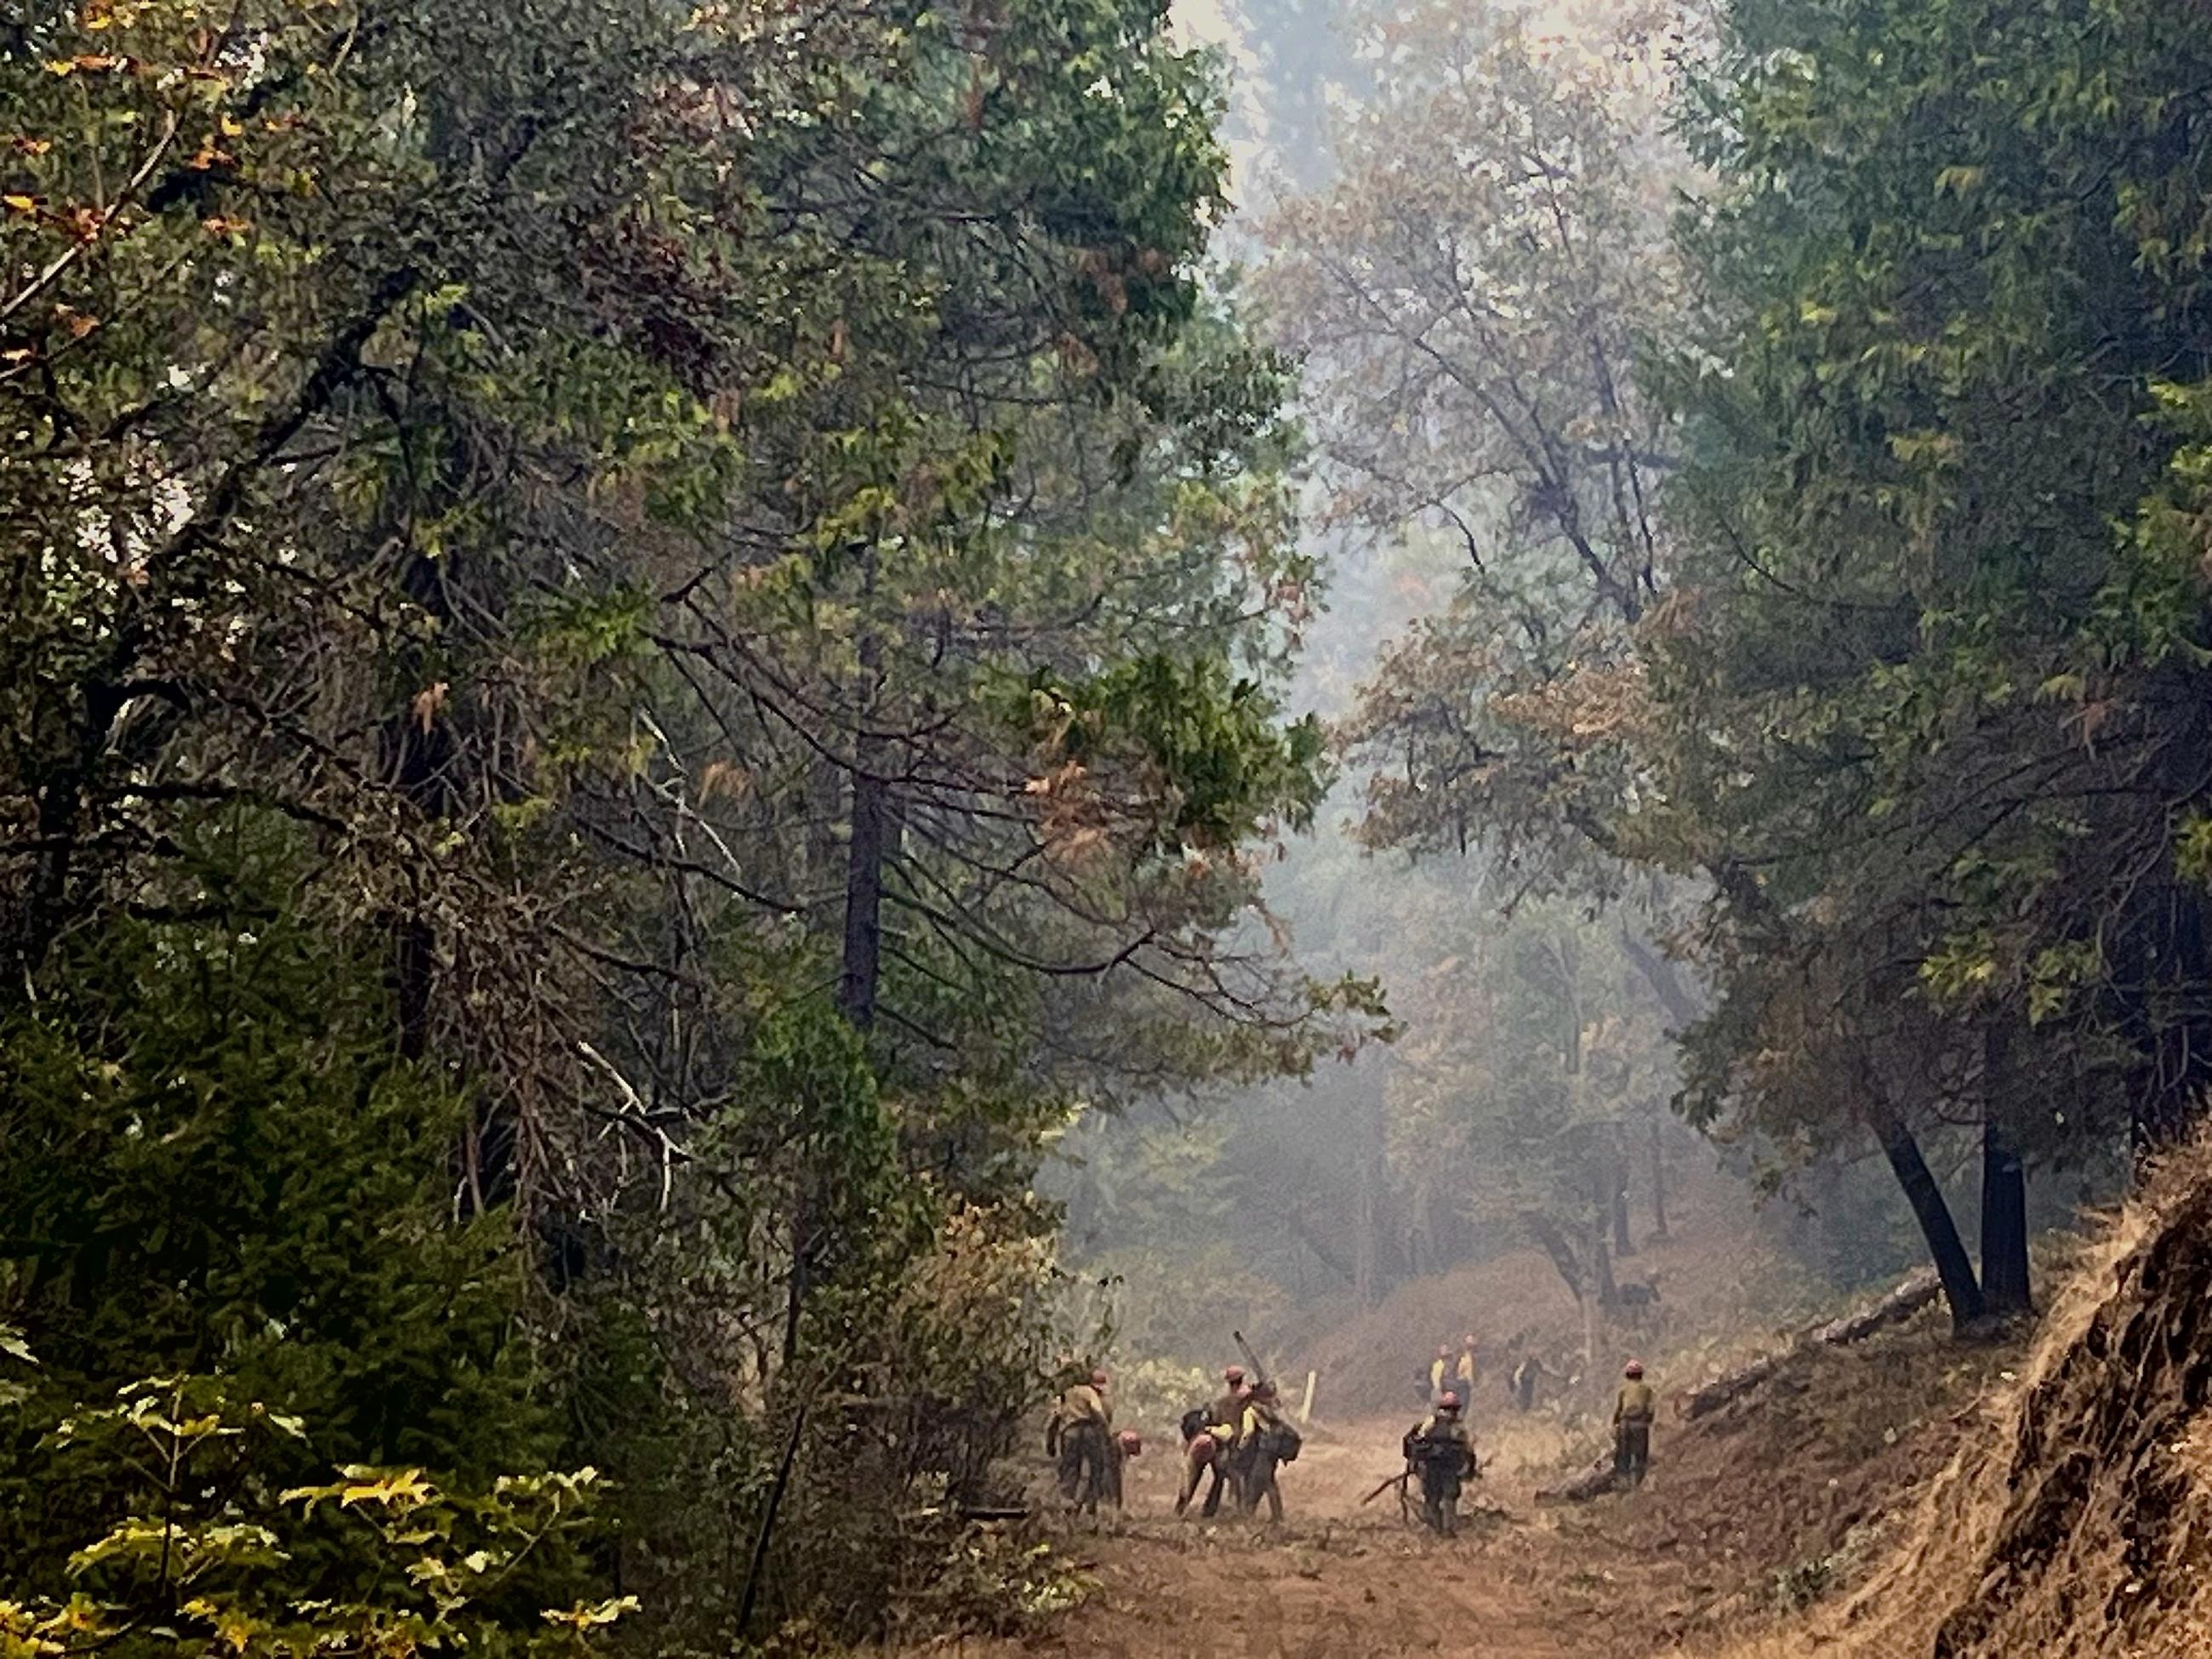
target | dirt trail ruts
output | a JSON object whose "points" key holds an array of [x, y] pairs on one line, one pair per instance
{"points": [[1341, 1581]]}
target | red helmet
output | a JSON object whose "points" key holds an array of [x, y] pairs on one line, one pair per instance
{"points": [[1634, 1368], [1233, 1375], [1132, 1443], [1098, 1379], [1447, 1401]]}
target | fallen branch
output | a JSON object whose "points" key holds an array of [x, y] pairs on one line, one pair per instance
{"points": [[1900, 1304], [1595, 1481], [1730, 1385]]}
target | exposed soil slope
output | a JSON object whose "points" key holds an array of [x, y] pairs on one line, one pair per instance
{"points": [[2076, 1521], [1716, 1274]]}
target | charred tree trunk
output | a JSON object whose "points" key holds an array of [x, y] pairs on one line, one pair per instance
{"points": [[1658, 1183], [1929, 1209], [2005, 1284], [414, 966], [2181, 1074]]}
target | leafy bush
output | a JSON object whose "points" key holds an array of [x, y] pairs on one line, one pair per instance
{"points": [[204, 1551], [212, 1163]]}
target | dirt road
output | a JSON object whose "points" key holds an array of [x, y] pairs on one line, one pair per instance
{"points": [[1341, 1581]]}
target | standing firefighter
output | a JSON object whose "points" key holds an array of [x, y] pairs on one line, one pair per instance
{"points": [[1440, 1374], [1081, 1435], [1468, 1370], [1437, 1450], [1207, 1432], [1632, 1411], [1265, 1441]]}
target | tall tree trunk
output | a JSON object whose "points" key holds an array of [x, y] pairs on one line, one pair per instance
{"points": [[1934, 1215], [756, 1573], [1553, 1239], [421, 751], [1679, 1003], [414, 969], [1603, 1300], [864, 892], [2181, 1015], [870, 825], [1609, 1293], [1658, 1183], [2005, 1285]]}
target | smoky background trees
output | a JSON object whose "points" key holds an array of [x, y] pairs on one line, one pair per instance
{"points": [[1759, 449]]}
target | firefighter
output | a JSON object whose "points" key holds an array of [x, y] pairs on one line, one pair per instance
{"points": [[1437, 1450], [1633, 1408], [1440, 1377], [1264, 1441], [1206, 1443], [1081, 1434], [1467, 1369], [1126, 1444]]}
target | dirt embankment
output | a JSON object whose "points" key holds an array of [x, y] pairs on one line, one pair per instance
{"points": [[2075, 1521]]}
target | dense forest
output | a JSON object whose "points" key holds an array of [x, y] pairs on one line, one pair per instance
{"points": [[724, 733]]}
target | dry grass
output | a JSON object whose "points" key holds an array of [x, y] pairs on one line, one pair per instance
{"points": [[2075, 1521]]}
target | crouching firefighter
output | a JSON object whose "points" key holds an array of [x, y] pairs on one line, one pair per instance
{"points": [[1438, 1452], [1207, 1432]]}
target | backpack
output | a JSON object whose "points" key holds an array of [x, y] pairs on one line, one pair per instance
{"points": [[1193, 1423], [1285, 1442]]}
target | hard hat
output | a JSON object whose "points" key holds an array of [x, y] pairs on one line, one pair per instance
{"points": [[1443, 1350], [1098, 1379], [1234, 1374], [1264, 1389], [1634, 1368], [1447, 1401], [1132, 1443]]}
